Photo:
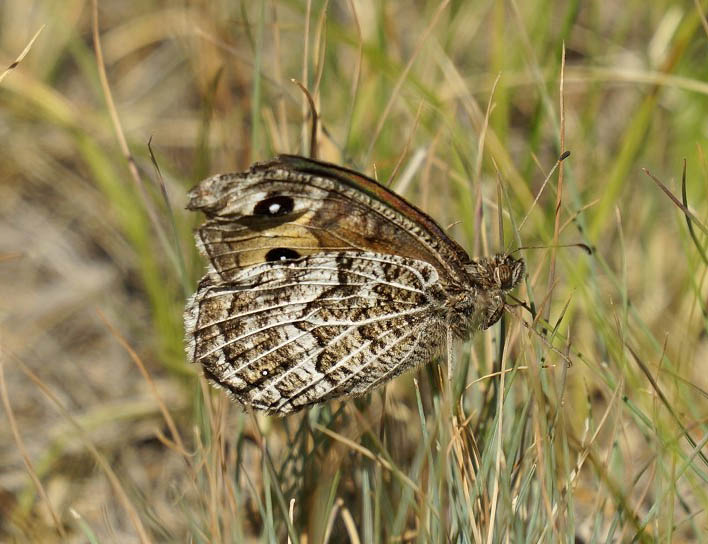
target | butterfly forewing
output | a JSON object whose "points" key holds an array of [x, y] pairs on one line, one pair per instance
{"points": [[282, 335], [313, 207]]}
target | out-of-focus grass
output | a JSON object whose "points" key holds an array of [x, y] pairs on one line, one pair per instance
{"points": [[534, 450]]}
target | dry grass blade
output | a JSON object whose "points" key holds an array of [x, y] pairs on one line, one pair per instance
{"points": [[354, 90], [689, 223], [350, 525], [146, 375], [268, 460], [499, 446], [372, 456], [22, 55], [173, 223], [401, 79], [564, 156], [559, 187], [313, 115], [320, 52], [667, 405], [23, 452], [10, 256], [404, 150], [123, 143], [702, 15], [676, 201], [116, 485]]}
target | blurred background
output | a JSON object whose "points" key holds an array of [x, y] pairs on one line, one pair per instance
{"points": [[109, 434]]}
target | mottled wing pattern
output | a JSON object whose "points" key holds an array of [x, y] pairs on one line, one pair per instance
{"points": [[282, 335], [307, 207]]}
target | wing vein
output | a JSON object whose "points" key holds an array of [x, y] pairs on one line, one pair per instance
{"points": [[317, 325], [361, 367]]}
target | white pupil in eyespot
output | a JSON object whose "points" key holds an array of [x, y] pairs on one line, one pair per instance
{"points": [[283, 258], [274, 208], [264, 372]]}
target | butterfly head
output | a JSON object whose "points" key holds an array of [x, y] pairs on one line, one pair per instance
{"points": [[493, 278], [501, 272], [507, 271]]}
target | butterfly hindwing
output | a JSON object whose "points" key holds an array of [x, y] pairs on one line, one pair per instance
{"points": [[282, 335]]}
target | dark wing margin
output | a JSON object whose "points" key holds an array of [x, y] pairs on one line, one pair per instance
{"points": [[450, 256]]}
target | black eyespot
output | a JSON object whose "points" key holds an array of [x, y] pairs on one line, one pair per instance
{"points": [[281, 254], [274, 206]]}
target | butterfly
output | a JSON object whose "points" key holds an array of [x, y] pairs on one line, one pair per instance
{"points": [[323, 283]]}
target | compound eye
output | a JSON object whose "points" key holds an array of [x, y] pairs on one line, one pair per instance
{"points": [[503, 276]]}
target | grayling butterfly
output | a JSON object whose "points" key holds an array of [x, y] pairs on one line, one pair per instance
{"points": [[323, 283]]}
